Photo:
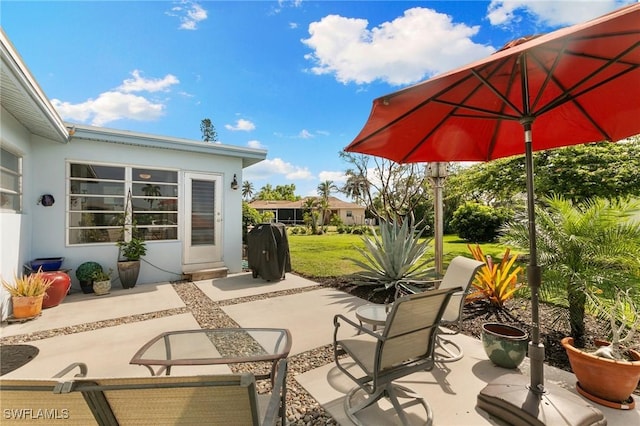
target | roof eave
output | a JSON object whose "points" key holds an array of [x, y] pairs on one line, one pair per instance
{"points": [[249, 156]]}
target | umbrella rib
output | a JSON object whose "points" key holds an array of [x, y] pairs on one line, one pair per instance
{"points": [[458, 105], [489, 113], [385, 101], [497, 92], [566, 95]]}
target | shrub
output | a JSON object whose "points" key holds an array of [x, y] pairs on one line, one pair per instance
{"points": [[478, 223], [496, 282], [335, 220]]}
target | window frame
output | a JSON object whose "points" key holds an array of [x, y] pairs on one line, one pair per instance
{"points": [[19, 176], [150, 232]]}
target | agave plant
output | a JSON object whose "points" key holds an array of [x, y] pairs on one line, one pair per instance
{"points": [[393, 254], [496, 282]]}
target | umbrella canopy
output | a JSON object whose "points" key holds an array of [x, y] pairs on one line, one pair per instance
{"points": [[576, 85]]}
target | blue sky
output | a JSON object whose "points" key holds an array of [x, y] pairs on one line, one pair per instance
{"points": [[296, 78]]}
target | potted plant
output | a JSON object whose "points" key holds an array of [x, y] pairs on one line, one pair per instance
{"points": [[101, 282], [620, 365], [27, 294], [129, 260], [497, 282], [84, 274]]}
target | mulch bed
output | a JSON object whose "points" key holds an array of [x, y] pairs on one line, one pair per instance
{"points": [[13, 357]]}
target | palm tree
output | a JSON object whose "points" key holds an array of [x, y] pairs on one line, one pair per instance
{"points": [[355, 187], [324, 191], [247, 190], [585, 250]]}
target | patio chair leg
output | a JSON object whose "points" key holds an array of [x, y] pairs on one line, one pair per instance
{"points": [[452, 350], [392, 392]]}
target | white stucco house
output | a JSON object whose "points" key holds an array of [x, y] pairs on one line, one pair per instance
{"points": [[184, 193]]}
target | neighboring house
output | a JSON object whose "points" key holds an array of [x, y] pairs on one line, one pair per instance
{"points": [[292, 212], [184, 193]]}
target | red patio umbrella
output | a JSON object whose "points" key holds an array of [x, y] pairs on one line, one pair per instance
{"points": [[576, 85]]}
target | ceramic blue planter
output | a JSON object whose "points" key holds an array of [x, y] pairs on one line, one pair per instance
{"points": [[505, 345]]}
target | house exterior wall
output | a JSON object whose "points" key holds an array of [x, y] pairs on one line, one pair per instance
{"points": [[15, 228], [50, 241]]}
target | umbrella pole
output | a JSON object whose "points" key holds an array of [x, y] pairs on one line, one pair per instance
{"points": [[513, 397], [536, 348]]}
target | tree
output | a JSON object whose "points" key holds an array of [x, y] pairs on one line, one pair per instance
{"points": [[208, 131], [391, 190], [584, 249], [356, 186], [577, 172], [280, 192], [324, 191], [247, 190]]}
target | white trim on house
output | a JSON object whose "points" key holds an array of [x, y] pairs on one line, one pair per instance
{"points": [[249, 156]]}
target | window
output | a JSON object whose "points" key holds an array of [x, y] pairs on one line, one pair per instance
{"points": [[10, 181], [99, 194], [349, 213]]}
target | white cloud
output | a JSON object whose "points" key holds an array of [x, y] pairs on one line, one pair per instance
{"points": [[139, 83], [119, 103], [553, 13], [241, 125], [189, 13], [293, 25], [305, 134], [268, 168], [336, 177], [401, 51], [255, 144]]}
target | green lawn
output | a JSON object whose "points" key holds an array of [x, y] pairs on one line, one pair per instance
{"points": [[328, 255]]}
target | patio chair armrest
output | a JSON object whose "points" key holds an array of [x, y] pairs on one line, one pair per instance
{"points": [[81, 365], [360, 328], [416, 286], [277, 402]]}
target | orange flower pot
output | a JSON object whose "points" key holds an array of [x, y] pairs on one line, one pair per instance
{"points": [[27, 306], [604, 381]]}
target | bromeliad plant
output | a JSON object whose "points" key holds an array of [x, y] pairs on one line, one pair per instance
{"points": [[393, 254], [496, 282]]}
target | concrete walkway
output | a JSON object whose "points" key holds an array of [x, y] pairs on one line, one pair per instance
{"points": [[294, 304]]}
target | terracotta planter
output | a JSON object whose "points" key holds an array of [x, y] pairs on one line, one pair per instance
{"points": [[505, 345], [60, 284], [605, 381], [27, 306]]}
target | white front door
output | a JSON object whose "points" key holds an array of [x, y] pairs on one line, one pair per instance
{"points": [[203, 207]]}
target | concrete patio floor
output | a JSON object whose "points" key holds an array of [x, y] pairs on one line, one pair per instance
{"points": [[451, 389]]}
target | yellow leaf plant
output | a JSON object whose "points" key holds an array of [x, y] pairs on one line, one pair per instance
{"points": [[496, 282]]}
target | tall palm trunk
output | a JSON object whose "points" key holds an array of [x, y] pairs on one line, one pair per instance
{"points": [[577, 302]]}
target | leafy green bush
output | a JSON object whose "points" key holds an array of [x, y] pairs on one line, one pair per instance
{"points": [[295, 230], [250, 217], [478, 223], [335, 220], [85, 271]]}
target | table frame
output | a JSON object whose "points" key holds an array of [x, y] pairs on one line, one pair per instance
{"points": [[166, 364]]}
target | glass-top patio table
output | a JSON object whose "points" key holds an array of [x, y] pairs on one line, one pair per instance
{"points": [[214, 346]]}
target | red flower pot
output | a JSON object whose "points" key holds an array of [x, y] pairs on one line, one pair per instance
{"points": [[61, 282]]}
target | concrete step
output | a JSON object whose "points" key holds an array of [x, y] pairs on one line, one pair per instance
{"points": [[206, 274]]}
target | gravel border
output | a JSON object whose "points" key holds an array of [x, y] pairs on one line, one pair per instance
{"points": [[302, 408]]}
